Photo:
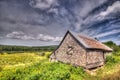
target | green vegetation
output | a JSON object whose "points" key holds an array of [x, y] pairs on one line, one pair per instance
{"points": [[116, 49], [15, 49], [31, 66], [35, 65]]}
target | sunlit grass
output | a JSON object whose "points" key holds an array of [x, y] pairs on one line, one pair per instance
{"points": [[19, 59], [110, 67], [34, 66]]}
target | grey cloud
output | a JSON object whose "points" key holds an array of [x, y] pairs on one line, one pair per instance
{"points": [[19, 35], [103, 20], [28, 21], [114, 8], [108, 33], [39, 19], [41, 37], [44, 5], [48, 38]]}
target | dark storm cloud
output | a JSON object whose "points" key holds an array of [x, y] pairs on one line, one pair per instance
{"points": [[104, 24], [52, 18]]}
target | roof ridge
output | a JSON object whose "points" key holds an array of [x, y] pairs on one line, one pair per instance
{"points": [[89, 42], [80, 40]]}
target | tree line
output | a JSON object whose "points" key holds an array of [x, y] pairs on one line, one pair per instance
{"points": [[7, 48]]}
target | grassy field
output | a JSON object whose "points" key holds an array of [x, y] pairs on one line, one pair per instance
{"points": [[36, 66]]}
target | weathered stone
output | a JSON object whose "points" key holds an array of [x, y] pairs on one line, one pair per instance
{"points": [[72, 52]]}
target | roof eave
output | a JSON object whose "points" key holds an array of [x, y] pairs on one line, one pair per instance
{"points": [[100, 49]]}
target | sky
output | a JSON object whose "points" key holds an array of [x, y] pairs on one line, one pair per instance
{"points": [[45, 22]]}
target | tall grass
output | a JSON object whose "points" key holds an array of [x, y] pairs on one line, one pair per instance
{"points": [[39, 70], [36, 66]]}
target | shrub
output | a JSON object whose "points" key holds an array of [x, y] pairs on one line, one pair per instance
{"points": [[110, 60], [0, 68], [42, 54], [48, 55], [116, 53], [34, 77]]}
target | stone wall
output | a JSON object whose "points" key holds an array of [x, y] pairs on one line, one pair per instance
{"points": [[71, 52], [95, 58]]}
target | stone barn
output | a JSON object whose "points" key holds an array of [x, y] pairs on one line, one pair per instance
{"points": [[81, 51]]}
